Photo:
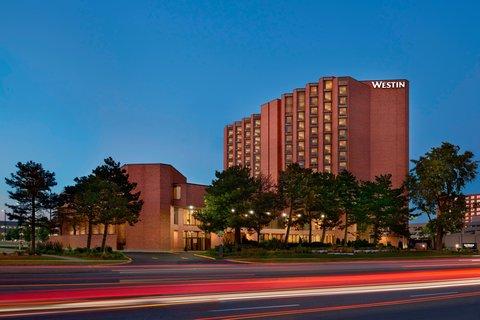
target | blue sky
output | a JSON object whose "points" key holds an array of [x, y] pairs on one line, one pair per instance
{"points": [[148, 81]]}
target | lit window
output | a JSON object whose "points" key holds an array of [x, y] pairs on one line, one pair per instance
{"points": [[301, 125], [288, 138], [327, 107], [313, 101], [327, 149], [313, 161], [301, 155], [342, 122], [288, 108], [327, 127], [314, 110], [327, 159], [313, 141], [327, 168], [301, 146], [301, 116], [177, 192], [301, 100], [288, 158], [288, 119], [342, 100], [313, 90], [313, 120], [301, 135], [257, 123], [342, 111], [342, 90], [342, 165], [327, 138], [327, 117], [327, 96], [327, 84], [342, 134], [314, 130], [313, 151], [288, 148], [342, 144], [288, 129], [342, 155]]}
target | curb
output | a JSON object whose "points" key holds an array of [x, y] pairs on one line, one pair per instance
{"points": [[239, 261], [204, 256]]}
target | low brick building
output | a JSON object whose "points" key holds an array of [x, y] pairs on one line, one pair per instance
{"points": [[166, 222]]}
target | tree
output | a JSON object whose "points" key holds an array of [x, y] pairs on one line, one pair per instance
{"points": [[435, 187], [330, 213], [31, 184], [227, 200], [347, 192], [113, 172], [290, 191], [310, 199], [264, 205], [382, 208]]}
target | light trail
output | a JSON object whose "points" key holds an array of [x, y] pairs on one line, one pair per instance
{"points": [[142, 302]]}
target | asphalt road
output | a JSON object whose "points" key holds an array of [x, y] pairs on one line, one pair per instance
{"points": [[185, 286]]}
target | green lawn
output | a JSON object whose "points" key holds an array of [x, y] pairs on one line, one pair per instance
{"points": [[14, 260]]}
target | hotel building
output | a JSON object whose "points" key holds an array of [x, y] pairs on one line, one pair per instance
{"points": [[334, 124]]}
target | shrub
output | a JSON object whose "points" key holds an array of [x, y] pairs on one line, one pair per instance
{"points": [[50, 247]]}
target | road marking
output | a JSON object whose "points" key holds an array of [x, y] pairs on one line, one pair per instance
{"points": [[257, 308], [432, 294]]}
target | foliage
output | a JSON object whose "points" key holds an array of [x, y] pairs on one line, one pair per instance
{"points": [[435, 187], [347, 194], [31, 186]]}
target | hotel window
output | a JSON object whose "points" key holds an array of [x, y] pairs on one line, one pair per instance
{"points": [[313, 101], [313, 151], [327, 96], [327, 138], [327, 117], [327, 149], [327, 107], [177, 192], [313, 120], [288, 148], [188, 218], [342, 165], [301, 116], [342, 155], [288, 119], [313, 90], [327, 159], [342, 122], [288, 138], [230, 133], [327, 127], [314, 110], [247, 159], [230, 148], [342, 100], [342, 145], [301, 146], [301, 155], [301, 163], [327, 168], [247, 125], [313, 141], [314, 130], [301, 101], [342, 134], [313, 161], [230, 164], [342, 90], [288, 158], [301, 135], [342, 111], [301, 125], [288, 129], [327, 84], [257, 123], [230, 140]]}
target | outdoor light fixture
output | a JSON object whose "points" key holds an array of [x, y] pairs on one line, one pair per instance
{"points": [[246, 215], [284, 214], [233, 210], [251, 211], [191, 207], [322, 216], [267, 213], [299, 215]]}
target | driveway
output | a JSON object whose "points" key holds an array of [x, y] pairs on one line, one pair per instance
{"points": [[167, 258]]}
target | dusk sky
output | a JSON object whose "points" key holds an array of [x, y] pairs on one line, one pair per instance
{"points": [[148, 81]]}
